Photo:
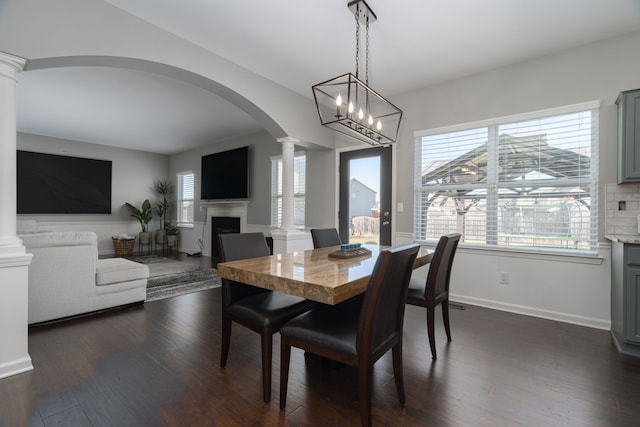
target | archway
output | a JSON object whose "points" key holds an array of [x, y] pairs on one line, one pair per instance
{"points": [[261, 116]]}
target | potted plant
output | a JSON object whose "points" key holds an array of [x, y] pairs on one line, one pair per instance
{"points": [[143, 215], [172, 234], [164, 189]]}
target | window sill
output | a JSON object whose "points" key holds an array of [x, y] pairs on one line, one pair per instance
{"points": [[546, 254], [184, 225]]}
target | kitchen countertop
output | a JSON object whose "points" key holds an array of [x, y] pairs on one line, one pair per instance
{"points": [[623, 238]]}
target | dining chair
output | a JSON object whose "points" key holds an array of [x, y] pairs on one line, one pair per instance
{"points": [[323, 237], [358, 331], [261, 310], [435, 290]]}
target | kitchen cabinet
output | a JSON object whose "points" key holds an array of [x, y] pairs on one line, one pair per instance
{"points": [[625, 297], [629, 136]]}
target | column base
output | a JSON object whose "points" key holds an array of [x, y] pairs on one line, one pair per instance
{"points": [[291, 240], [14, 314], [11, 245]]}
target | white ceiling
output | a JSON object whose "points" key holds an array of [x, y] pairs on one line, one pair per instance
{"points": [[297, 43]]}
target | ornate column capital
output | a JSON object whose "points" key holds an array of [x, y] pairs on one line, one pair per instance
{"points": [[15, 62], [288, 140]]}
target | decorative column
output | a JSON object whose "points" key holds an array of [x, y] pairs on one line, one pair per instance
{"points": [[287, 238], [9, 66], [288, 147], [14, 261]]}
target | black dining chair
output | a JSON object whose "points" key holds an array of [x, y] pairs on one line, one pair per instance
{"points": [[435, 290], [358, 331], [323, 237], [260, 310]]}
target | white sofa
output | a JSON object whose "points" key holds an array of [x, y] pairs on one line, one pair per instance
{"points": [[66, 278]]}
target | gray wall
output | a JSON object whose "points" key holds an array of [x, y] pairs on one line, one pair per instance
{"points": [[262, 148], [133, 174], [320, 177], [597, 71]]}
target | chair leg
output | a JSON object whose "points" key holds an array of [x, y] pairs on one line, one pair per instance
{"points": [[285, 357], [398, 373], [267, 343], [226, 339], [365, 374], [431, 332], [445, 318]]}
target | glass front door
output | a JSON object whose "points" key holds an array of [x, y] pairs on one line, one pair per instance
{"points": [[365, 196]]}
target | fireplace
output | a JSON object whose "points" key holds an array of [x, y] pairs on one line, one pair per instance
{"points": [[222, 225], [222, 209]]}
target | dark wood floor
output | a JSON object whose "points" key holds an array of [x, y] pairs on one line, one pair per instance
{"points": [[157, 364]]}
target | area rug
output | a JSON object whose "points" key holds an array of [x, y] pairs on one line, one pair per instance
{"points": [[169, 278]]}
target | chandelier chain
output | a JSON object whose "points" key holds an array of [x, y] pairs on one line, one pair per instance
{"points": [[357, 40], [367, 52]]}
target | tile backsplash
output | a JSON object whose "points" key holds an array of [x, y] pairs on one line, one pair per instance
{"points": [[622, 222]]}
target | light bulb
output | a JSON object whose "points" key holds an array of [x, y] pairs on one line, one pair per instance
{"points": [[379, 125], [370, 120], [360, 114], [350, 107], [339, 100]]}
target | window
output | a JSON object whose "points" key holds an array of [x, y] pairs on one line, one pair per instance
{"points": [[185, 198], [524, 181], [299, 189]]}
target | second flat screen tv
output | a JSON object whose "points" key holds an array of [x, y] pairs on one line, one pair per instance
{"points": [[55, 184], [225, 175]]}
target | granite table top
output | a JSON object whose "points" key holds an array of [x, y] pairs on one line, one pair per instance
{"points": [[311, 274]]}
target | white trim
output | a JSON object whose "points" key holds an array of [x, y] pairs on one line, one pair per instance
{"points": [[16, 62], [573, 108], [15, 367], [559, 255]]}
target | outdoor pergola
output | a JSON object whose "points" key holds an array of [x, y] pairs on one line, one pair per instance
{"points": [[527, 168]]}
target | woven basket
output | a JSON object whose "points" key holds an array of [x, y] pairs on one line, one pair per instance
{"points": [[123, 248]]}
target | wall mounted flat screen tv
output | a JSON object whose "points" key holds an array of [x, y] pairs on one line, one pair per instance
{"points": [[225, 175], [54, 184]]}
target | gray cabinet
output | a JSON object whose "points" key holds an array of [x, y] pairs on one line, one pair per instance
{"points": [[629, 136], [625, 297]]}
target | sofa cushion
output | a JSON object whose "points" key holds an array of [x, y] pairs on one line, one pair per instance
{"points": [[118, 270]]}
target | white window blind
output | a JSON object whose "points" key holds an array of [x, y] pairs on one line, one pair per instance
{"points": [[529, 182], [299, 190], [185, 198]]}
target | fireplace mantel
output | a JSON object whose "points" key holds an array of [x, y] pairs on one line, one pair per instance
{"points": [[223, 208]]}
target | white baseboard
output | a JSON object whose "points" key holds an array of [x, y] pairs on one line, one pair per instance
{"points": [[534, 312], [15, 367]]}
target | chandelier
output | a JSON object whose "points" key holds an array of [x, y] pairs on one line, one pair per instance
{"points": [[348, 105]]}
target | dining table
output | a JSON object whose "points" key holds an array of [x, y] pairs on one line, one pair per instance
{"points": [[319, 275]]}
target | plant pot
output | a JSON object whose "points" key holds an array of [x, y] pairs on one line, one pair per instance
{"points": [[172, 240], [161, 237], [145, 237]]}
